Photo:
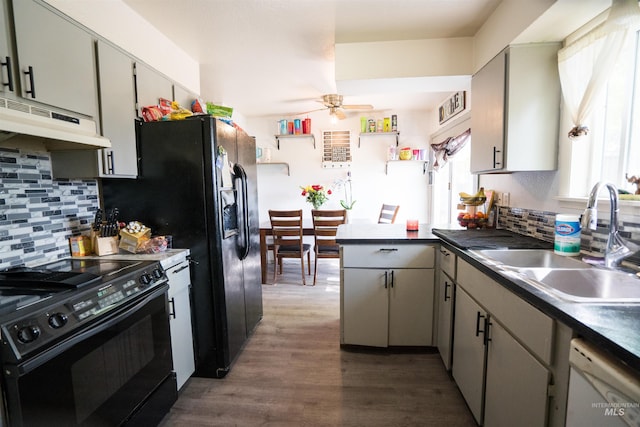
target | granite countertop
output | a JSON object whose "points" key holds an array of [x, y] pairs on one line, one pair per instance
{"points": [[166, 258], [613, 327]]}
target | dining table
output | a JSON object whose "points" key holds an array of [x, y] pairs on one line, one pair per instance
{"points": [[265, 231]]}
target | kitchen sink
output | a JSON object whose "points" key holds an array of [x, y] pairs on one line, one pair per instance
{"points": [[565, 277], [584, 285], [530, 258]]}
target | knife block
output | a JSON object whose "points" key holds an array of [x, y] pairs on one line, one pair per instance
{"points": [[104, 245]]}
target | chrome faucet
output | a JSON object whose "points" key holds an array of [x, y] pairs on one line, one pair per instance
{"points": [[617, 248]]}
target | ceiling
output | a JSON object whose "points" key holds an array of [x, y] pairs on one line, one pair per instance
{"points": [[276, 57], [266, 57]]}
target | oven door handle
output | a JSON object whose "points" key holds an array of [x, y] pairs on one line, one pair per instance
{"points": [[59, 348]]}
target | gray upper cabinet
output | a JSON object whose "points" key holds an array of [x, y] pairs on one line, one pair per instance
{"points": [[117, 111], [7, 77], [183, 96], [515, 111], [150, 86], [56, 59]]}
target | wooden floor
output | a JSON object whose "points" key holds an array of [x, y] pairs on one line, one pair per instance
{"points": [[292, 372]]}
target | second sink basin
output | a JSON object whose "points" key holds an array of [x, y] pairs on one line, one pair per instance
{"points": [[586, 285], [531, 258]]}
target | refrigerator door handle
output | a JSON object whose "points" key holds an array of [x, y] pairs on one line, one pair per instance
{"points": [[241, 175]]}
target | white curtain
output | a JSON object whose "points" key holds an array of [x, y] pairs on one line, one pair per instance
{"points": [[586, 64]]}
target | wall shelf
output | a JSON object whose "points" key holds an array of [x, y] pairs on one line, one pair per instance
{"points": [[377, 134], [287, 136], [424, 164], [276, 163]]}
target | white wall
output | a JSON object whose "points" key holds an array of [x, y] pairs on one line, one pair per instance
{"points": [[404, 184]]}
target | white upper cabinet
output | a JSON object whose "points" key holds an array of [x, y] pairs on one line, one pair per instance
{"points": [[183, 97], [516, 111], [55, 59], [117, 111], [7, 78], [151, 86]]}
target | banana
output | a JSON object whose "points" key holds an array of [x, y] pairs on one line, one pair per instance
{"points": [[480, 193]]}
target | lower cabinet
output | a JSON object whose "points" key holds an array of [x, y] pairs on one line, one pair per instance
{"points": [[516, 384], [390, 305], [180, 321], [469, 351], [445, 297], [501, 353], [445, 294]]}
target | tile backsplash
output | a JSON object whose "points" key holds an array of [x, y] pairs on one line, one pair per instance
{"points": [[37, 213], [541, 224]]}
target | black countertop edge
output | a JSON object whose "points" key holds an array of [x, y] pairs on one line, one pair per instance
{"points": [[627, 352], [385, 234]]}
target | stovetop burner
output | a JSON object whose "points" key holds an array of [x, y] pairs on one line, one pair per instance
{"points": [[24, 286]]}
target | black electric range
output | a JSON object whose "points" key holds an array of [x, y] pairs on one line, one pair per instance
{"points": [[40, 304], [85, 342]]}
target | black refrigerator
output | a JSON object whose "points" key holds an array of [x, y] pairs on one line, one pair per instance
{"points": [[197, 182]]}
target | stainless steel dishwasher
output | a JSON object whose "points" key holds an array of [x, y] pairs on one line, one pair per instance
{"points": [[602, 391]]}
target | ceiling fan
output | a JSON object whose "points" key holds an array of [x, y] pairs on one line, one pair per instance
{"points": [[333, 102]]}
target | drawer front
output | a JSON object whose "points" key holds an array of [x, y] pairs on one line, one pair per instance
{"points": [[533, 328], [179, 277], [447, 261], [388, 256]]}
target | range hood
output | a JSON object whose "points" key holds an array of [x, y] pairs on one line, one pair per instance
{"points": [[61, 131]]}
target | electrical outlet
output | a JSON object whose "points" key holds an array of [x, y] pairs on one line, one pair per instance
{"points": [[506, 199], [499, 198]]}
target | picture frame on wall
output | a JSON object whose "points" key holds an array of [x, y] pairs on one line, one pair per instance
{"points": [[454, 105]]}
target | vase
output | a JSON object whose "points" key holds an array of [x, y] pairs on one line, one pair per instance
{"points": [[316, 205]]}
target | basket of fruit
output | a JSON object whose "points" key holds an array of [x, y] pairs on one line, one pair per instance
{"points": [[472, 219]]}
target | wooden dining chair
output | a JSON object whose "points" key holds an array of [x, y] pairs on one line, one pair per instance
{"points": [[325, 227], [388, 214], [286, 228]]}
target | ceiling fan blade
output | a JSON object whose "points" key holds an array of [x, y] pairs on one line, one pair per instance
{"points": [[358, 107], [307, 112], [340, 114]]}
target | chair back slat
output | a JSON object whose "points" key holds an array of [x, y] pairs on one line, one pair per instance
{"points": [[388, 214], [325, 226], [286, 227]]}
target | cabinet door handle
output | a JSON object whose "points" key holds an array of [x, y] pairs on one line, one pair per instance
{"points": [[495, 161], [478, 317], [388, 250], [32, 90], [7, 64], [446, 288], [487, 328], [392, 279], [386, 279], [172, 309], [110, 165], [445, 253], [180, 269]]}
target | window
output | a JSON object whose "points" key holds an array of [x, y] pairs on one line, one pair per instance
{"points": [[600, 72], [615, 123]]}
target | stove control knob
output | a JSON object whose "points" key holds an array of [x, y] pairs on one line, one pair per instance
{"points": [[28, 334], [158, 273], [145, 279], [58, 320]]}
